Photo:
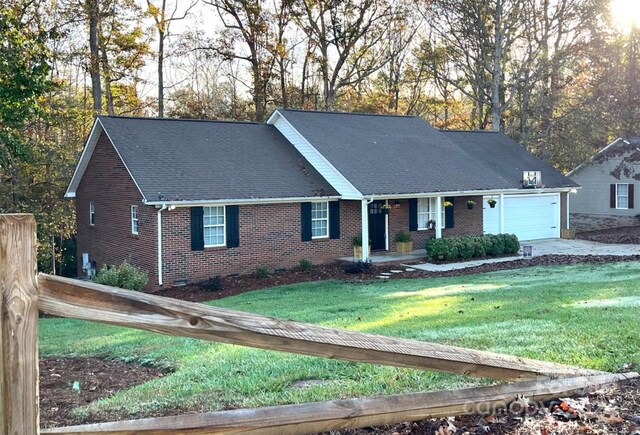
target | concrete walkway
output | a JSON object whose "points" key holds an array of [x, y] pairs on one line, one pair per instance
{"points": [[542, 247]]}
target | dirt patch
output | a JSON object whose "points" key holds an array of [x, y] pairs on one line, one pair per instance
{"points": [[623, 235], [68, 383]]}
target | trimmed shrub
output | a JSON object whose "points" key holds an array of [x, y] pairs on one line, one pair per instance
{"points": [[467, 247], [126, 276], [305, 264], [262, 272], [213, 284]]}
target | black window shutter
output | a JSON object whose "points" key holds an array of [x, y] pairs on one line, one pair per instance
{"points": [[305, 220], [233, 226], [612, 196], [630, 195], [413, 214], [197, 229], [448, 212], [334, 220]]}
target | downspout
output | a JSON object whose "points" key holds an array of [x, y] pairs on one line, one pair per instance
{"points": [[164, 207]]}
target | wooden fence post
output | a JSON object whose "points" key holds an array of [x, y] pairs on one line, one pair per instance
{"points": [[19, 414]]}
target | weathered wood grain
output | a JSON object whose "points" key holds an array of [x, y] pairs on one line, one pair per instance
{"points": [[18, 326], [89, 301], [342, 414]]}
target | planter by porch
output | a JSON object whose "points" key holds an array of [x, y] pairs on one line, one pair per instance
{"points": [[385, 211], [357, 251], [492, 204], [404, 247], [470, 206]]}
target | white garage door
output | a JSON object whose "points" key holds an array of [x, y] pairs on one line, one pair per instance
{"points": [[530, 217]]}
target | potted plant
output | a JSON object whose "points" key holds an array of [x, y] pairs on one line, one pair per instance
{"points": [[447, 204], [404, 245], [356, 242], [492, 202], [431, 224], [470, 204], [385, 208]]}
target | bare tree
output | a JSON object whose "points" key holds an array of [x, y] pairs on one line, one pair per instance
{"points": [[163, 20], [92, 10], [347, 35]]}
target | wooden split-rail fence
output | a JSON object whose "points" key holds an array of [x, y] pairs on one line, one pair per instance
{"points": [[24, 293]]}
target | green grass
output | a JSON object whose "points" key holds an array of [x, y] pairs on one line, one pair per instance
{"points": [[586, 315]]}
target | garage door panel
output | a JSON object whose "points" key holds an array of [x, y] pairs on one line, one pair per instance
{"points": [[529, 217]]}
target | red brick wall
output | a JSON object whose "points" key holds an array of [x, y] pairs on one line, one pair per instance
{"points": [[563, 210], [269, 237], [465, 221], [107, 183]]}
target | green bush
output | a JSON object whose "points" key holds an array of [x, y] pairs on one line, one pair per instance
{"points": [[467, 247], [305, 264], [125, 276], [262, 272]]}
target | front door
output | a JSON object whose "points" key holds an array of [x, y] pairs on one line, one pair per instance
{"points": [[377, 226]]}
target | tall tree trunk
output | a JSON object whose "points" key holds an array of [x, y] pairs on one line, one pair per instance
{"points": [[107, 81], [496, 101], [161, 35], [283, 84], [94, 55]]}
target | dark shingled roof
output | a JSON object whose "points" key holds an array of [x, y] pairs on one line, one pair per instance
{"points": [[386, 154], [505, 158], [194, 160]]}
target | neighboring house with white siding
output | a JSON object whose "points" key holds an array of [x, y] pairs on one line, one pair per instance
{"points": [[607, 197]]}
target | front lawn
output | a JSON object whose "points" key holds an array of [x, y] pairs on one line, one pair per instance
{"points": [[585, 315]]}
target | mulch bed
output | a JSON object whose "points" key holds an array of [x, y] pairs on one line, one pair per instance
{"points": [[624, 235], [615, 410]]}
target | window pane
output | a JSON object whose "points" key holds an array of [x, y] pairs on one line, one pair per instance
{"points": [[623, 189], [213, 221]]}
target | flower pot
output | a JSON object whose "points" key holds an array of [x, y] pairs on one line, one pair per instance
{"points": [[357, 251], [385, 211], [470, 206], [404, 247], [492, 204]]}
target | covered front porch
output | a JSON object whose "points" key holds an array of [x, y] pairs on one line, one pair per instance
{"points": [[386, 223]]}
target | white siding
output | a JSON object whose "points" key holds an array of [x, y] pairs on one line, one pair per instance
{"points": [[317, 160]]}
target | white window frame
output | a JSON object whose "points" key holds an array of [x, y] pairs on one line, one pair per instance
{"points": [[315, 204], [619, 195], [92, 213], [223, 226], [134, 219], [430, 204]]}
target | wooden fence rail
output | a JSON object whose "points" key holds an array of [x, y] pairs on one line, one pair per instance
{"points": [[22, 294]]}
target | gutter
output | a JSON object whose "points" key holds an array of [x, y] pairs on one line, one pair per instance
{"points": [[164, 207], [237, 201]]}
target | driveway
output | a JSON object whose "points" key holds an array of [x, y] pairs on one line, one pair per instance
{"points": [[579, 247], [542, 247]]}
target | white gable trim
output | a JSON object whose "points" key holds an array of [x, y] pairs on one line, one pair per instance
{"points": [[338, 181], [573, 171], [86, 155]]}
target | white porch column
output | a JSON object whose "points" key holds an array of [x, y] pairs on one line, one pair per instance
{"points": [[365, 230], [567, 208], [501, 210], [438, 217]]}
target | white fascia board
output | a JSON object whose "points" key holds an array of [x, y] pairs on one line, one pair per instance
{"points": [[576, 169], [329, 172], [245, 201], [475, 192], [83, 161]]}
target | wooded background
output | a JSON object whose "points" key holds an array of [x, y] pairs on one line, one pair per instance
{"points": [[559, 76]]}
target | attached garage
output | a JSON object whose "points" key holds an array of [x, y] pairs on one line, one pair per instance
{"points": [[530, 217]]}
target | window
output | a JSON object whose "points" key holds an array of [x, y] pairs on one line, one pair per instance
{"points": [[92, 213], [622, 196], [427, 212], [134, 219], [319, 220], [213, 220]]}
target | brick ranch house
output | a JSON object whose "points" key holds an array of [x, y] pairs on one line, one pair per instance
{"points": [[187, 199]]}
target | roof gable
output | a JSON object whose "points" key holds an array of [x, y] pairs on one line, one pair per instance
{"points": [[175, 160]]}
